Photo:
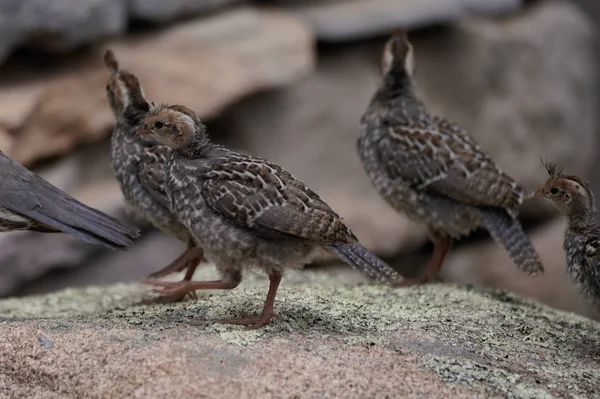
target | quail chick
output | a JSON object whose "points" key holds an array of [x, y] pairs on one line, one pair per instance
{"points": [[574, 198], [139, 166], [28, 202], [247, 212], [432, 170]]}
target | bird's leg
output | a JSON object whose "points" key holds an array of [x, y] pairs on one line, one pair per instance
{"points": [[186, 287], [192, 256], [442, 245], [254, 322], [190, 260]]}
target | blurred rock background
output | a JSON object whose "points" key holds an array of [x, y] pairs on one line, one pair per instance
{"points": [[289, 80]]}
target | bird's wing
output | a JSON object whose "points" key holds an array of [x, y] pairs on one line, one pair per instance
{"points": [[25, 193], [440, 156], [151, 172], [264, 197], [591, 250]]}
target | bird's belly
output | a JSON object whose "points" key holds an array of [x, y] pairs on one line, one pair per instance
{"points": [[440, 213], [231, 246]]}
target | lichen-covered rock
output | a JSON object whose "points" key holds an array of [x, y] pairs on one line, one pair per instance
{"points": [[333, 339]]}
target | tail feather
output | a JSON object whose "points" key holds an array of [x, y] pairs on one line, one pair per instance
{"points": [[91, 231], [509, 233], [60, 211], [359, 258]]}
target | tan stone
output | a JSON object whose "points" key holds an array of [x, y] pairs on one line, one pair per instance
{"points": [[205, 64]]}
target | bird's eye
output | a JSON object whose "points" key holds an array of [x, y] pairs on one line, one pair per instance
{"points": [[158, 125], [554, 191]]}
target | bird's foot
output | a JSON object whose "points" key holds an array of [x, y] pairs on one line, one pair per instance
{"points": [[173, 291], [409, 282], [168, 298], [251, 322]]}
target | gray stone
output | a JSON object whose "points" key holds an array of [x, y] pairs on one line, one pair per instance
{"points": [[350, 20], [162, 11], [524, 87], [59, 25]]}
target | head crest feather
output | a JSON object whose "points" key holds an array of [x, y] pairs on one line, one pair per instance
{"points": [[552, 168], [111, 61]]}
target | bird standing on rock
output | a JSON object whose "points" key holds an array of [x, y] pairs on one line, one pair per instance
{"points": [[574, 198], [247, 212], [28, 202], [139, 166], [432, 170]]}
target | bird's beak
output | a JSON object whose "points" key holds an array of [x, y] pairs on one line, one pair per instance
{"points": [[141, 130], [539, 193]]}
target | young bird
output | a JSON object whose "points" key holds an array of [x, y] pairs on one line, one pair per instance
{"points": [[247, 212], [139, 165], [432, 170], [28, 202], [573, 197]]}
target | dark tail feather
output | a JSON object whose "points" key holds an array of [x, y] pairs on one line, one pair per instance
{"points": [[89, 230], [508, 232], [359, 258], [88, 224]]}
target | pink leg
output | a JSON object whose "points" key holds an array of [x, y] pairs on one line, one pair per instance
{"points": [[190, 260], [254, 322], [442, 245], [186, 287]]}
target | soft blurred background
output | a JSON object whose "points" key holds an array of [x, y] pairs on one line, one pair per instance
{"points": [[289, 81]]}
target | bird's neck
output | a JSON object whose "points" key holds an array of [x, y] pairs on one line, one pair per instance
{"points": [[197, 148], [132, 117], [581, 219], [396, 83]]}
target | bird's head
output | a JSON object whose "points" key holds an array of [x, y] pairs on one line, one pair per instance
{"points": [[398, 55], [175, 126], [570, 194], [124, 91]]}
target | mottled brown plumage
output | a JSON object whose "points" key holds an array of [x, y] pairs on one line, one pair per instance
{"points": [[139, 167], [574, 198], [247, 212], [432, 170], [28, 202]]}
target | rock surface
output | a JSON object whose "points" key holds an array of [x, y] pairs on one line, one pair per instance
{"points": [[205, 64], [333, 339]]}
